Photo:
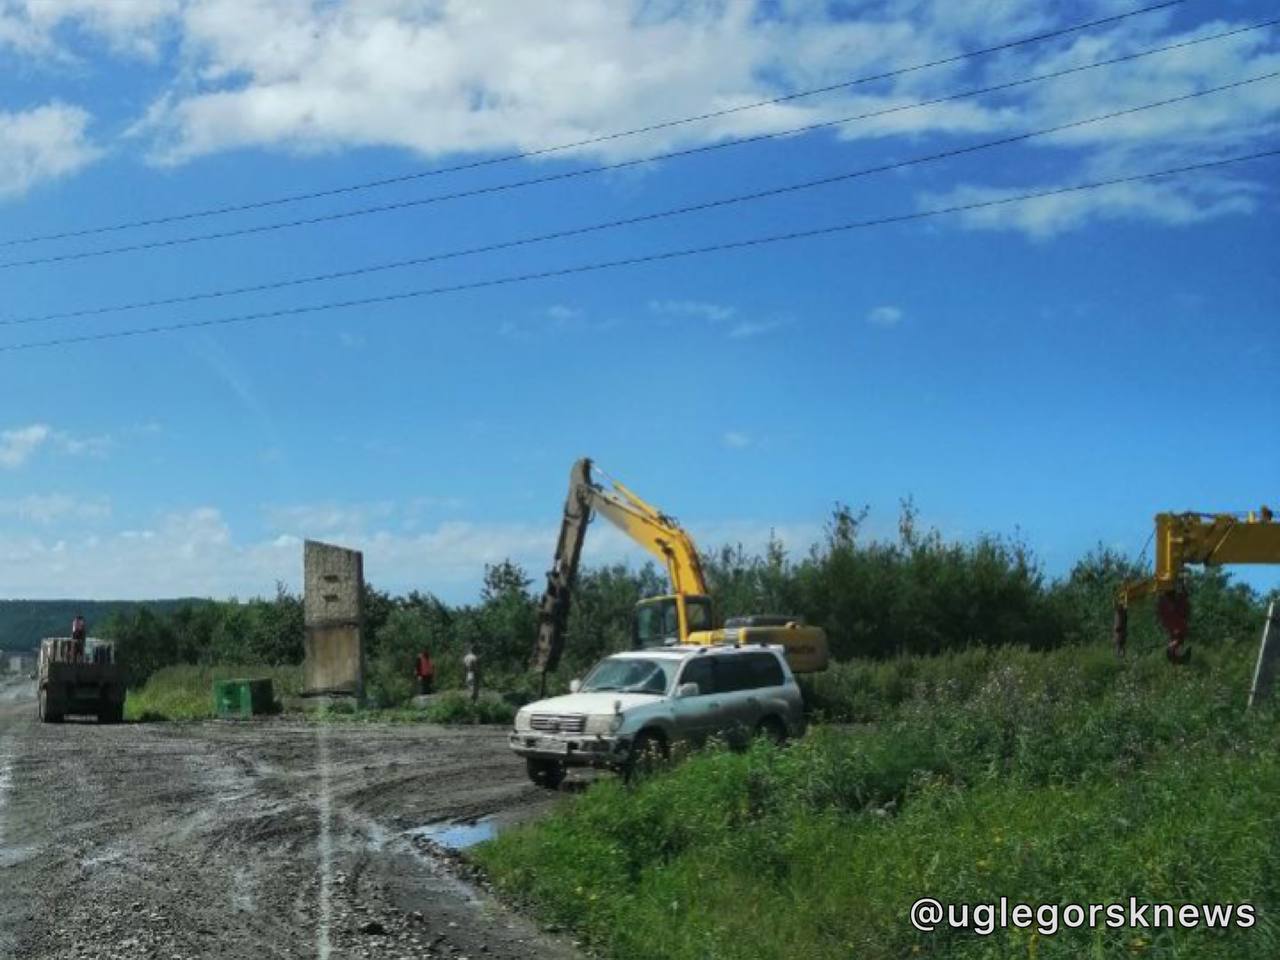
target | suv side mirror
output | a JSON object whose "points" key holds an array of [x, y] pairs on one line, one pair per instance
{"points": [[575, 685], [687, 690]]}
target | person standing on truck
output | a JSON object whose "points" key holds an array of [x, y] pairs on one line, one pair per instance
{"points": [[471, 663], [79, 630], [426, 672]]}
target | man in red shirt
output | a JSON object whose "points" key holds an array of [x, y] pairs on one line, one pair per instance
{"points": [[426, 671]]}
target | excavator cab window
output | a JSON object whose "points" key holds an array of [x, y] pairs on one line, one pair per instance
{"points": [[657, 621]]}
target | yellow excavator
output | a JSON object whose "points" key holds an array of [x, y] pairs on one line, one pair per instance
{"points": [[685, 615], [1193, 538]]}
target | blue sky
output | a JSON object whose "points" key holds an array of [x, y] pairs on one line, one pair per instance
{"points": [[1064, 368]]}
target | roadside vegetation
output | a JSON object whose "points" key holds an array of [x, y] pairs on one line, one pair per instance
{"points": [[1053, 777], [185, 692]]}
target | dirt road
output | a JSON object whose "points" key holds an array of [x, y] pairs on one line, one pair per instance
{"points": [[236, 840]]}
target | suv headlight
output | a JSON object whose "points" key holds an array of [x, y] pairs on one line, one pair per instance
{"points": [[522, 720], [604, 723]]}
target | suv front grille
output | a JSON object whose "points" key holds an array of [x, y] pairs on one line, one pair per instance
{"points": [[558, 723]]}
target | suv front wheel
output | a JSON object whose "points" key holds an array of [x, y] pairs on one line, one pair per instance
{"points": [[545, 773], [648, 752]]}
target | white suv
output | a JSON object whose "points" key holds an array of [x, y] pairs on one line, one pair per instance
{"points": [[637, 705]]}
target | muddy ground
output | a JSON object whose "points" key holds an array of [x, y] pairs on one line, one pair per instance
{"points": [[278, 838]]}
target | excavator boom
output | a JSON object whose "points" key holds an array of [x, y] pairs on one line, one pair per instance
{"points": [[553, 612]]}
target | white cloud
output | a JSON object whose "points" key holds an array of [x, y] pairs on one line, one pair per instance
{"points": [[885, 316], [559, 311], [134, 28], [755, 328], [699, 309], [446, 77], [88, 446], [736, 440], [45, 509], [195, 553], [44, 143], [315, 519], [1167, 201], [17, 445]]}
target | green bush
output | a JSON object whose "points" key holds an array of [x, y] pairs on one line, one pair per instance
{"points": [[456, 707]]}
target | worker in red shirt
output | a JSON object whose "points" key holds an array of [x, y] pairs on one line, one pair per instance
{"points": [[426, 672]]}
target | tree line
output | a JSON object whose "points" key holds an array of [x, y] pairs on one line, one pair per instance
{"points": [[916, 594]]}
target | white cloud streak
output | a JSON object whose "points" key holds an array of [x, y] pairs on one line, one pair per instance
{"points": [[18, 445], [885, 316], [41, 144], [194, 552]]}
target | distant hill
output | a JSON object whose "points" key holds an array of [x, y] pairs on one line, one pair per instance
{"points": [[24, 622]]}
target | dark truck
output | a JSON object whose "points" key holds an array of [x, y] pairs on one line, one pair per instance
{"points": [[84, 681]]}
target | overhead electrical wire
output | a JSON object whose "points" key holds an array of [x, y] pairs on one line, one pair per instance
{"points": [[641, 218], [665, 255], [592, 141], [603, 168]]}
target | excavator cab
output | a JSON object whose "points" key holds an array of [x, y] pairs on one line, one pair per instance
{"points": [[656, 621]]}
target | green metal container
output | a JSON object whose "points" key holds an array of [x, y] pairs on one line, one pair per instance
{"points": [[242, 699]]}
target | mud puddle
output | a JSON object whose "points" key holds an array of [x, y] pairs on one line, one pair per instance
{"points": [[456, 834]]}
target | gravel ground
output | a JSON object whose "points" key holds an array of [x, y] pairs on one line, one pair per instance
{"points": [[268, 839]]}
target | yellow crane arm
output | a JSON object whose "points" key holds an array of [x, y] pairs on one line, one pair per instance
{"points": [[1184, 539]]}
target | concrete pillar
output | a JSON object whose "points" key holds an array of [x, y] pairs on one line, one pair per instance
{"points": [[332, 605]]}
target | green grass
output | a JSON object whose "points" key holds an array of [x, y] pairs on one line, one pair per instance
{"points": [[450, 707], [186, 692], [1046, 778]]}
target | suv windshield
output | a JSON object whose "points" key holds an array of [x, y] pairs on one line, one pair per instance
{"points": [[630, 675]]}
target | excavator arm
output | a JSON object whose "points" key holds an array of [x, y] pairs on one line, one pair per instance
{"points": [[1183, 539], [642, 522]]}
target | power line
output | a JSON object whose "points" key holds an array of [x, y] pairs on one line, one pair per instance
{"points": [[590, 171], [642, 218], [626, 262], [591, 141]]}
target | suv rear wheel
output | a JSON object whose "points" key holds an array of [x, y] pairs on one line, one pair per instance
{"points": [[545, 773]]}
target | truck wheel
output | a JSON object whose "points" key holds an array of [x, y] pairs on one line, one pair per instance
{"points": [[112, 713], [42, 709], [546, 773]]}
